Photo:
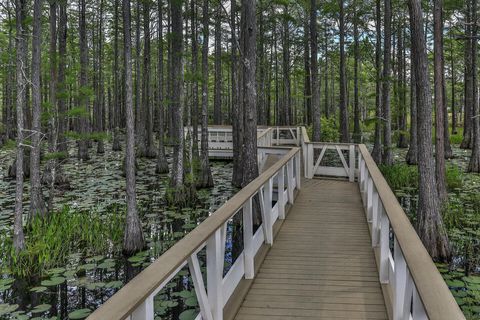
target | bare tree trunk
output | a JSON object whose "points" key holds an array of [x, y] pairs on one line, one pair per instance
{"points": [[314, 71], [83, 96], [440, 170], [205, 179], [474, 164], [162, 165], [21, 57], [377, 147], [116, 146], [344, 135], [307, 91], [195, 99], [62, 85], [387, 157], [430, 226], [452, 72], [249, 32], [286, 103], [100, 95], [237, 104], [37, 204], [327, 101], [402, 88], [217, 102], [133, 238], [467, 120], [357, 135], [412, 153], [140, 129], [176, 101]]}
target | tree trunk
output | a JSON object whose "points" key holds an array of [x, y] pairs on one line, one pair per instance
{"points": [[344, 135], [176, 101], [440, 170], [286, 103], [314, 71], [412, 153], [21, 83], [452, 72], [205, 179], [357, 135], [140, 129], [430, 226], [62, 85], [146, 99], [387, 157], [37, 204], [116, 146], [162, 165], [249, 32], [467, 120], [307, 91], [217, 102], [83, 96], [474, 164], [133, 238], [327, 101], [237, 105], [195, 100], [402, 88], [100, 94]]}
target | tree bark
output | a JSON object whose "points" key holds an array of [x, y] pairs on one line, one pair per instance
{"points": [[440, 170], [314, 71], [21, 83], [474, 164], [344, 135], [387, 157], [150, 151], [430, 226], [133, 238], [412, 154], [357, 134], [116, 146], [249, 32], [286, 103], [468, 82], [37, 204], [84, 101], [100, 91], [62, 86], [217, 102], [162, 165], [205, 179]]}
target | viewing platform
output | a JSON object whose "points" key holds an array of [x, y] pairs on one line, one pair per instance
{"points": [[323, 237]]}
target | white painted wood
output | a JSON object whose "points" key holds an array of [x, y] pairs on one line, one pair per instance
{"points": [[248, 240], [144, 310], [309, 168], [290, 181], [374, 206], [319, 160], [233, 278], [215, 275], [369, 198], [351, 159], [298, 173], [377, 214], [268, 222], [384, 247], [399, 287], [418, 310], [281, 193], [199, 286]]}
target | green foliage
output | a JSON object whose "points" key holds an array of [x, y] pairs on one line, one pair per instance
{"points": [[328, 130], [77, 112], [454, 178], [55, 155], [400, 176], [457, 138], [50, 241]]}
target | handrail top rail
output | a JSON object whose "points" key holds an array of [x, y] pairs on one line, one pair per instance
{"points": [[437, 299], [128, 298]]}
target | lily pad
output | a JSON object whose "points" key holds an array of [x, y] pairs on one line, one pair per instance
{"points": [[189, 314], [114, 284], [79, 314], [191, 302], [455, 283], [6, 308], [55, 281], [41, 308], [38, 289]]}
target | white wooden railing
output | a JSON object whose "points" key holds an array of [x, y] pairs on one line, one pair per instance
{"points": [[413, 287], [275, 188]]}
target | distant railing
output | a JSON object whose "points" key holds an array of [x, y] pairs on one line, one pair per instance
{"points": [[275, 188], [414, 289]]}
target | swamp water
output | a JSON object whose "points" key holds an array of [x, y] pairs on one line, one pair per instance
{"points": [[87, 278]]}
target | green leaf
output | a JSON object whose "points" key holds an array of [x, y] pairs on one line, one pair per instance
{"points": [[41, 308], [38, 289], [79, 314], [55, 281], [189, 314]]}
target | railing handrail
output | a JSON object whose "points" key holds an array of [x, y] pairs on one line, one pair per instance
{"points": [[437, 299], [131, 296]]}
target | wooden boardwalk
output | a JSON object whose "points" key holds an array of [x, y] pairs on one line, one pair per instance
{"points": [[321, 265]]}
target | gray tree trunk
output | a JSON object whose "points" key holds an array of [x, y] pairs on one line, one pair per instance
{"points": [[440, 170], [116, 146], [84, 101], [474, 164], [314, 71], [147, 102], [62, 85], [205, 179], [37, 203], [21, 84], [140, 129], [430, 226], [133, 238], [412, 153], [468, 82], [344, 135], [249, 32], [162, 165], [357, 135], [217, 102], [377, 147], [387, 157]]}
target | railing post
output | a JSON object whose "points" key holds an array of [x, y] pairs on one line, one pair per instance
{"points": [[377, 214], [215, 275], [278, 136], [403, 286], [290, 181], [248, 240], [298, 174], [281, 193], [384, 247], [268, 223], [351, 160], [310, 153], [144, 310], [369, 199]]}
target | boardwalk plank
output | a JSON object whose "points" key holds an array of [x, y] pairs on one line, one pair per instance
{"points": [[321, 265]]}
